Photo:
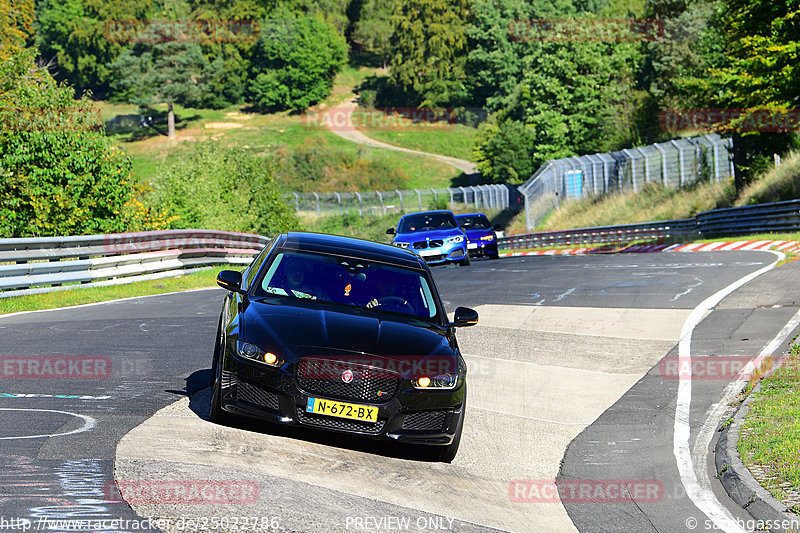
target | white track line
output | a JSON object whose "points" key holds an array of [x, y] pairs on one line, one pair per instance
{"points": [[701, 496], [717, 410]]}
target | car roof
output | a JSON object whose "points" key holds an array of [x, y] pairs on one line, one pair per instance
{"points": [[470, 215], [350, 247], [426, 213]]}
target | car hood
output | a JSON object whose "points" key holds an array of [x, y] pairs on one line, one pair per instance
{"points": [[431, 234], [302, 330], [476, 234]]}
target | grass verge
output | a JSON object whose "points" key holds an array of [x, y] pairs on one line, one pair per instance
{"points": [[66, 298], [770, 437]]}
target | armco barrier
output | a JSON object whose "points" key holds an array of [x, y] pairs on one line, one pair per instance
{"points": [[44, 264], [779, 217]]}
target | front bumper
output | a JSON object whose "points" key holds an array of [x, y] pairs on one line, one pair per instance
{"points": [[481, 248], [411, 416], [443, 254]]}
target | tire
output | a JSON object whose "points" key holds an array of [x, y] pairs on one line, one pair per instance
{"points": [[446, 454], [215, 412], [465, 262], [215, 357]]}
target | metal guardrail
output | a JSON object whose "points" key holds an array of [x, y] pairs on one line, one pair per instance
{"points": [[748, 220], [602, 235], [45, 264]]}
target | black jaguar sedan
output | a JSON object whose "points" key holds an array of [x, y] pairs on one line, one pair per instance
{"points": [[344, 335]]}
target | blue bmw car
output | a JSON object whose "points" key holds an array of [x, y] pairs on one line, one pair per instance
{"points": [[481, 236], [434, 235]]}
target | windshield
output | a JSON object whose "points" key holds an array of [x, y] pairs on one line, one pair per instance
{"points": [[474, 222], [347, 281], [427, 222]]}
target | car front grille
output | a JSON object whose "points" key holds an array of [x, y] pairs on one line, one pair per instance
{"points": [[425, 421], [325, 377], [432, 258], [256, 395], [421, 245], [341, 424]]}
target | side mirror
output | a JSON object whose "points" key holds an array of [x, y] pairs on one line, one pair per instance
{"points": [[390, 231], [230, 280], [464, 316]]}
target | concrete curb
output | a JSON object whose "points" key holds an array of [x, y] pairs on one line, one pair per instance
{"points": [[741, 486]]}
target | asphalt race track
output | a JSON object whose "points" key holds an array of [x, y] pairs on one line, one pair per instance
{"points": [[567, 364]]}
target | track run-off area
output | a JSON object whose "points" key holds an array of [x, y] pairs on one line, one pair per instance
{"points": [[572, 378]]}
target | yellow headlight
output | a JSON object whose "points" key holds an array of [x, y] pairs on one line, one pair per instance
{"points": [[270, 358], [423, 382]]}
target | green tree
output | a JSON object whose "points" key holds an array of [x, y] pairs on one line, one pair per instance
{"points": [[373, 28], [572, 100], [170, 72], [295, 61], [16, 25], [429, 51], [247, 196], [61, 175], [761, 70], [81, 37]]}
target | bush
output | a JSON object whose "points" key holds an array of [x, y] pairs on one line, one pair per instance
{"points": [[61, 175], [294, 61], [506, 153], [316, 166], [213, 186]]}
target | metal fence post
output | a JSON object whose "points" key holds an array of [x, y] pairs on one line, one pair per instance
{"points": [[339, 199], [633, 168], [452, 201], [297, 202], [663, 165], [401, 199], [646, 164], [360, 205], [419, 199], [317, 197], [435, 198], [680, 161], [380, 199]]}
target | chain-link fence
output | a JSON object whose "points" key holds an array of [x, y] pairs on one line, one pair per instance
{"points": [[673, 164], [479, 197]]}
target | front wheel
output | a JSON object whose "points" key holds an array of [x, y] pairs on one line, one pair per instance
{"points": [[446, 454], [465, 262], [215, 412]]}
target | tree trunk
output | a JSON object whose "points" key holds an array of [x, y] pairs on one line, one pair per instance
{"points": [[739, 160], [170, 122]]}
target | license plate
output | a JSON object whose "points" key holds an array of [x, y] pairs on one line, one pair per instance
{"points": [[342, 410], [472, 245], [424, 253]]}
